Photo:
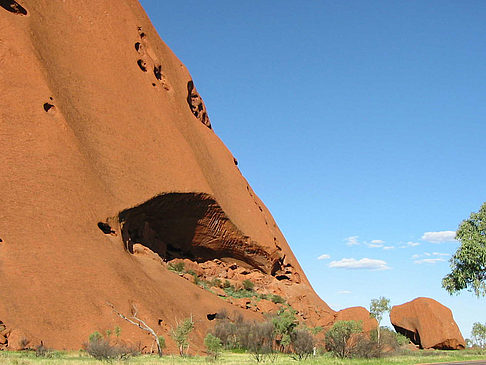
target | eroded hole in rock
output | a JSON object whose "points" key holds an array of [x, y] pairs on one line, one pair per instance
{"points": [[158, 72], [143, 65], [1, 240], [48, 106], [196, 104], [105, 228], [211, 316], [192, 226], [13, 7], [235, 161], [160, 321], [137, 46]]}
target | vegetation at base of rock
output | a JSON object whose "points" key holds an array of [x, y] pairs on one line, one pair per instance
{"points": [[468, 264], [346, 339], [339, 336], [213, 345], [101, 348], [248, 285], [177, 267], [478, 334], [241, 357], [303, 344], [284, 324], [378, 307], [180, 334]]}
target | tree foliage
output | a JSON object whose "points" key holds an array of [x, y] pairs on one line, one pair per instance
{"points": [[479, 334], [378, 307], [181, 334], [284, 324], [338, 338], [468, 264]]}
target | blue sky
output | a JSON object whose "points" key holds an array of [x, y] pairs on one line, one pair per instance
{"points": [[360, 124]]}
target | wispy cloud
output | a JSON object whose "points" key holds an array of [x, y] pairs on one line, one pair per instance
{"points": [[362, 264], [324, 257], [344, 292], [352, 241], [433, 257], [439, 237], [412, 244], [429, 261], [388, 247], [377, 242]]}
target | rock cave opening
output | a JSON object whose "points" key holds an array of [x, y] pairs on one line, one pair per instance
{"points": [[412, 336], [192, 226], [13, 7]]}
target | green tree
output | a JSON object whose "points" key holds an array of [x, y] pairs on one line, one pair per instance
{"points": [[378, 307], [181, 334], [468, 264], [479, 334], [338, 337], [284, 324], [213, 346]]}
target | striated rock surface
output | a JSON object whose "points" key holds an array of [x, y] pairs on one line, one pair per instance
{"points": [[427, 323], [110, 170]]}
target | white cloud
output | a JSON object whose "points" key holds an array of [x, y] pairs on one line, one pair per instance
{"points": [[352, 241], [324, 257], [416, 256], [429, 261], [362, 264], [377, 242], [412, 244], [374, 245], [344, 292], [388, 247], [439, 237], [440, 254]]}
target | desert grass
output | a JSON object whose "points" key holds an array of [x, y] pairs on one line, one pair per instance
{"points": [[229, 358]]}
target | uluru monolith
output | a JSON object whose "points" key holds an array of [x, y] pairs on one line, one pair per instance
{"points": [[427, 323], [111, 174]]}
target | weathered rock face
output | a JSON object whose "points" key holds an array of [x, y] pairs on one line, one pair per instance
{"points": [[110, 168], [427, 323]]}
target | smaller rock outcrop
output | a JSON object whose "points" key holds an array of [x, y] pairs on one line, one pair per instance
{"points": [[427, 323]]}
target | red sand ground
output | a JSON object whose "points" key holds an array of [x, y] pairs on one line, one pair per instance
{"points": [[109, 164]]}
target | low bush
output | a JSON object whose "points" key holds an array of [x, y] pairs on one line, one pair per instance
{"points": [[100, 348], [177, 267], [277, 299], [248, 285], [302, 344]]}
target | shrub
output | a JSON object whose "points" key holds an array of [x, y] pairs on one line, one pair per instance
{"points": [[177, 267], [100, 348], [248, 285], [365, 347], [162, 344], [42, 351], [227, 333], [339, 336], [258, 338], [216, 282], [181, 334], [213, 346], [226, 284], [277, 299], [302, 343]]}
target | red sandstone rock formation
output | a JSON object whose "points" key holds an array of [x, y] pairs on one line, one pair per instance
{"points": [[428, 324], [110, 168]]}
